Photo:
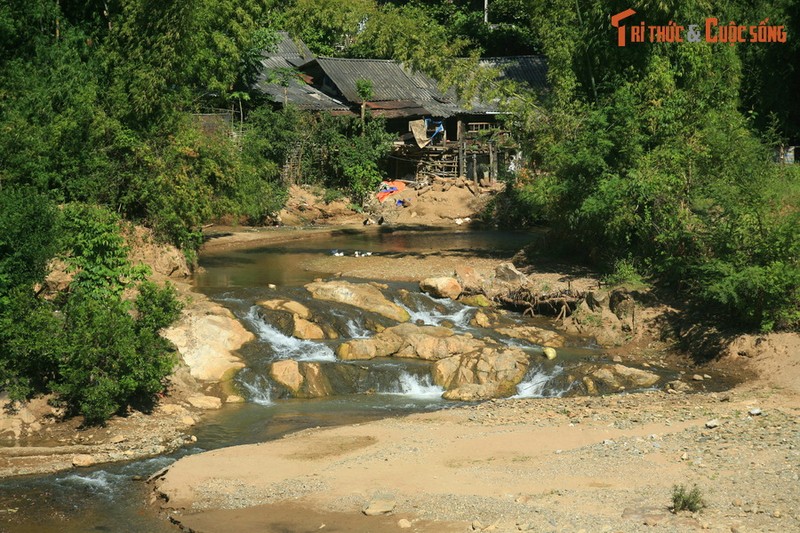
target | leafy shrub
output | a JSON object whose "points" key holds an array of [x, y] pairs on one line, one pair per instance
{"points": [[29, 333], [97, 251], [687, 500], [624, 273], [108, 359], [525, 202], [99, 352], [332, 195], [27, 236]]}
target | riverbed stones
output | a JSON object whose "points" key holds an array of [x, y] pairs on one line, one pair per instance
{"points": [[379, 506], [361, 295], [83, 460], [307, 330], [205, 402], [290, 306], [408, 340], [287, 373], [549, 353], [488, 373], [508, 273], [617, 377], [303, 380], [476, 300], [480, 320], [532, 334], [441, 287], [471, 282]]}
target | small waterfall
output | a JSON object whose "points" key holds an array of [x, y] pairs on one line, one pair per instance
{"points": [[354, 326], [285, 347], [455, 312], [100, 482], [416, 386], [540, 384], [357, 331], [258, 388]]}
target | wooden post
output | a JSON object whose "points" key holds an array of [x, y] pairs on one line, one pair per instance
{"points": [[492, 163], [462, 163], [474, 170]]}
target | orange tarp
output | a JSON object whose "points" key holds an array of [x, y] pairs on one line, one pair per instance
{"points": [[389, 188]]}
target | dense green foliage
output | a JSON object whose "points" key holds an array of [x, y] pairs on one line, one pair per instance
{"points": [[95, 105], [85, 344], [654, 157], [334, 152], [647, 153]]}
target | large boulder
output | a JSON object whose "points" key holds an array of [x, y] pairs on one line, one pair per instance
{"points": [[441, 287], [532, 334], [408, 340], [621, 376], [206, 336], [201, 401], [360, 295], [287, 373], [471, 282], [614, 378], [290, 306], [508, 273], [487, 373], [602, 324], [305, 329], [303, 380]]}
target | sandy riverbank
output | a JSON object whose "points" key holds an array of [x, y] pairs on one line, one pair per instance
{"points": [[591, 464]]}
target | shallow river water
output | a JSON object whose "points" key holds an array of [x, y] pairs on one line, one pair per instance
{"points": [[113, 498]]}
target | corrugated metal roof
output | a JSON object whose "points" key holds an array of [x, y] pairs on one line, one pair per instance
{"points": [[531, 70], [390, 81], [301, 95], [292, 51]]}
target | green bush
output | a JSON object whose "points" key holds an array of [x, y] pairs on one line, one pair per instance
{"points": [[27, 236], [27, 324], [687, 500], [624, 273], [98, 351], [97, 252], [109, 360], [29, 343]]}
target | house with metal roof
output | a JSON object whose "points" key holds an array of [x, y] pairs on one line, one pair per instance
{"points": [[280, 79], [396, 90], [437, 134], [530, 71]]}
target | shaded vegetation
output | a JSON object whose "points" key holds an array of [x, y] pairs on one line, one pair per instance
{"points": [[647, 152]]}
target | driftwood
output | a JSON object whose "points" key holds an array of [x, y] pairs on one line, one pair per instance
{"points": [[560, 304]]}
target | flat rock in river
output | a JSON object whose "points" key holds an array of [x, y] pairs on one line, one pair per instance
{"points": [[361, 295]]}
